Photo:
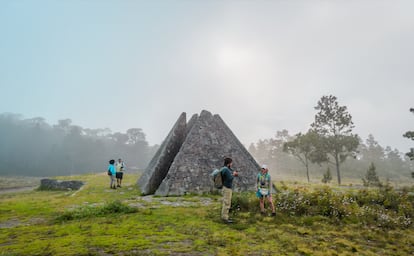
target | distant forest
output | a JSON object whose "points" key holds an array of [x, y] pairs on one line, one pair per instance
{"points": [[390, 163], [32, 147]]}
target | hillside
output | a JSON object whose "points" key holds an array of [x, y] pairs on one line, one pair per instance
{"points": [[311, 220]]}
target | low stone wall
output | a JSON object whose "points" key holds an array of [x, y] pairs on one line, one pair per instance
{"points": [[51, 184]]}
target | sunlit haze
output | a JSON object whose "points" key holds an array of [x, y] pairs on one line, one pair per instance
{"points": [[261, 65]]}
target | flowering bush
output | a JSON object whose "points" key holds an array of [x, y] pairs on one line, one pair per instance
{"points": [[384, 207]]}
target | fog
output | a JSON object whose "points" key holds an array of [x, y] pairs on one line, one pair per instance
{"points": [[32, 147], [261, 65]]}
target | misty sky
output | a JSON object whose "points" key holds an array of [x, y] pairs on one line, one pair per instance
{"points": [[261, 65]]}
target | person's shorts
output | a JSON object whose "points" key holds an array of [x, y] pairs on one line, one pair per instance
{"points": [[119, 175], [262, 192]]}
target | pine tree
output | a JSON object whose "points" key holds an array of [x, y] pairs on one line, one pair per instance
{"points": [[327, 177], [371, 177], [334, 125]]}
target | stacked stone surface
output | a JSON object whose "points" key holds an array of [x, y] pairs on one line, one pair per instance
{"points": [[50, 184], [207, 142], [158, 167]]}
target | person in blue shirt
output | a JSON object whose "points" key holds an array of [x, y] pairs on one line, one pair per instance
{"points": [[264, 189], [112, 170], [227, 174]]}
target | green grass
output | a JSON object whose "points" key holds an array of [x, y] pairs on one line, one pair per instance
{"points": [[99, 221]]}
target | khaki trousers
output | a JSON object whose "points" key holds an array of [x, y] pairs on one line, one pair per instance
{"points": [[113, 181], [227, 192]]}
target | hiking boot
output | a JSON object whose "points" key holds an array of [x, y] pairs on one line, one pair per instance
{"points": [[228, 221], [273, 214], [118, 186], [263, 213]]}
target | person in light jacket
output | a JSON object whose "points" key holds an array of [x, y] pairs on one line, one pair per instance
{"points": [[120, 168], [264, 189]]}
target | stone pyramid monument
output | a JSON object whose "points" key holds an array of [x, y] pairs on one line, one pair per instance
{"points": [[189, 154]]}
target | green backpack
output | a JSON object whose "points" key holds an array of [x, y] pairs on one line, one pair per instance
{"points": [[217, 179]]}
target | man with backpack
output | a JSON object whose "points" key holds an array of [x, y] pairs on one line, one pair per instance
{"points": [[111, 174], [227, 176]]}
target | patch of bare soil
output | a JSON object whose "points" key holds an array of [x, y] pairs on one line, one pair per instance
{"points": [[17, 189]]}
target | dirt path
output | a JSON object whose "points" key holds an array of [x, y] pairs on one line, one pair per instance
{"points": [[16, 190]]}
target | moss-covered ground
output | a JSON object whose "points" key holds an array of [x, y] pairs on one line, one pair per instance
{"points": [[97, 220]]}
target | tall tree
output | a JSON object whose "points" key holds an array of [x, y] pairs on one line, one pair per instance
{"points": [[395, 164], [334, 124], [369, 151], [410, 135], [135, 135], [305, 147], [374, 152]]}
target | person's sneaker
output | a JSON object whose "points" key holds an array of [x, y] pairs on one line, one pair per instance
{"points": [[118, 186], [228, 221], [273, 214], [263, 213]]}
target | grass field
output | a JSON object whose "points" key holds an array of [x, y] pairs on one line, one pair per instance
{"points": [[99, 221]]}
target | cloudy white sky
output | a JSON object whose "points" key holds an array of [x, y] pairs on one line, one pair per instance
{"points": [[261, 65]]}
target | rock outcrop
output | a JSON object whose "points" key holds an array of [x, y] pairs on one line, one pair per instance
{"points": [[51, 184]]}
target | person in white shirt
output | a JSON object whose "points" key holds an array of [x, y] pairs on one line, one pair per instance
{"points": [[120, 168]]}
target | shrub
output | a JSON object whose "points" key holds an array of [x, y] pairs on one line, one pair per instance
{"points": [[381, 207], [245, 202], [115, 207]]}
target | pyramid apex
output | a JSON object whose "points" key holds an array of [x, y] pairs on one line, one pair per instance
{"points": [[205, 113]]}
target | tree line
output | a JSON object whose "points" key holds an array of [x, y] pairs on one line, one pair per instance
{"points": [[32, 147], [329, 144]]}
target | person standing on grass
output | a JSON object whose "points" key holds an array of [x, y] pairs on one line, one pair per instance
{"points": [[120, 166], [112, 170], [227, 174], [264, 189]]}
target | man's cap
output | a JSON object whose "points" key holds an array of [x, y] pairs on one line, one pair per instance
{"points": [[264, 166]]}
